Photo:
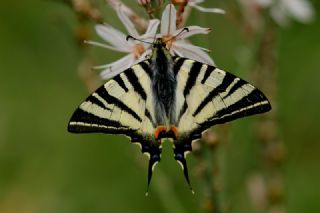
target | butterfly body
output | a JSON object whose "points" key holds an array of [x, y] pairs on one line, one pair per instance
{"points": [[163, 85], [170, 97]]}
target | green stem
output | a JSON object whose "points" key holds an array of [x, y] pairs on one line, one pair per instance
{"points": [[211, 156], [266, 130]]}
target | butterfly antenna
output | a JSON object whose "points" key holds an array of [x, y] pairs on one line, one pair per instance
{"points": [[136, 39], [174, 37]]}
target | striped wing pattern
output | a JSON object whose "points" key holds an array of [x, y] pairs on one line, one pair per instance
{"points": [[207, 96], [122, 106]]}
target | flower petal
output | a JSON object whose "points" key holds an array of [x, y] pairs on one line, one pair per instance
{"points": [[192, 31], [300, 10], [192, 52], [278, 13], [144, 55], [152, 28], [175, 51], [168, 20], [207, 10], [127, 22], [115, 68], [98, 44], [151, 32], [114, 37]]}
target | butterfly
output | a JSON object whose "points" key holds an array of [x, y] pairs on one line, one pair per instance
{"points": [[167, 97]]}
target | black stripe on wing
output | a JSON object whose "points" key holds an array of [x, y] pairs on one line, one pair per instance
{"points": [[253, 103], [121, 83], [208, 72], [148, 115], [182, 111], [87, 120], [133, 79], [146, 67], [178, 62], [235, 87], [113, 100], [191, 81], [84, 122], [94, 100], [227, 80], [193, 75]]}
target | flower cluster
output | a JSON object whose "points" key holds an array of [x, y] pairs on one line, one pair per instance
{"points": [[138, 49], [175, 37], [282, 10]]}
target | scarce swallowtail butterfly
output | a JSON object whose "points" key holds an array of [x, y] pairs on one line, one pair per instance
{"points": [[167, 97]]}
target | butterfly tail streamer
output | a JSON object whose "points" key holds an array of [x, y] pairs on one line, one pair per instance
{"points": [[181, 149], [153, 151], [153, 161]]}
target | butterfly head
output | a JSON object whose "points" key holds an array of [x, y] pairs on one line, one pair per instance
{"points": [[158, 43], [159, 49], [164, 44]]}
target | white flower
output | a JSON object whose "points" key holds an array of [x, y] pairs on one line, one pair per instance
{"points": [[174, 38], [282, 10], [195, 4], [301, 10], [136, 51]]}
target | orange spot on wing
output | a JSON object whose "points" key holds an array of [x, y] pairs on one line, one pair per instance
{"points": [[175, 131], [158, 130]]}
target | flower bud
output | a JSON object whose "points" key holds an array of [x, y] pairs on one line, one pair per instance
{"points": [[143, 2]]}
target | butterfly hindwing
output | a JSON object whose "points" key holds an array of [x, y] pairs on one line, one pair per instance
{"points": [[122, 106]]}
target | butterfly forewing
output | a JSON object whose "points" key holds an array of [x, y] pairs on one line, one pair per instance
{"points": [[212, 96], [117, 105], [122, 106]]}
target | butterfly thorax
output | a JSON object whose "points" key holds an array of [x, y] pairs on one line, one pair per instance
{"points": [[163, 85]]}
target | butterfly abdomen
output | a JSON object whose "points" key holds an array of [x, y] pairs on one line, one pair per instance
{"points": [[163, 86]]}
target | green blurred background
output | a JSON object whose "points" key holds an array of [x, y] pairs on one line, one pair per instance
{"points": [[45, 169]]}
